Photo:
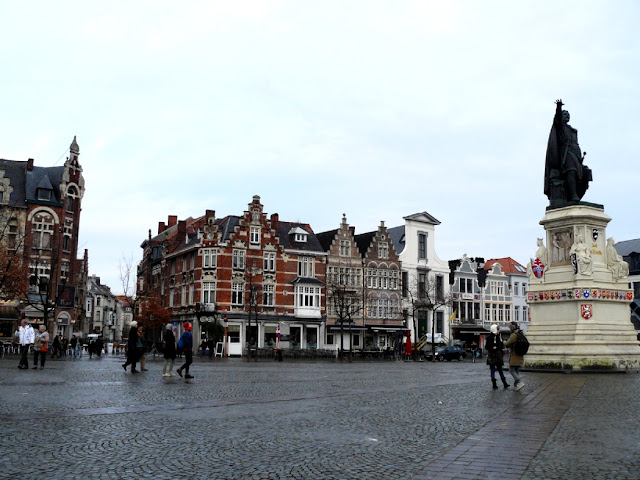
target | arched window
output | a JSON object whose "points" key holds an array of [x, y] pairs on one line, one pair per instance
{"points": [[72, 195], [42, 230]]}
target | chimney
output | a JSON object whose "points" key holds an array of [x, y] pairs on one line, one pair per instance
{"points": [[352, 229], [173, 219], [182, 228], [30, 164], [274, 222], [210, 216], [161, 227]]}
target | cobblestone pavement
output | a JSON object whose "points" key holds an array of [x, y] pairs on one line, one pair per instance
{"points": [[88, 419]]}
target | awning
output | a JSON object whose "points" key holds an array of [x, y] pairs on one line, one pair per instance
{"points": [[9, 313], [392, 329]]}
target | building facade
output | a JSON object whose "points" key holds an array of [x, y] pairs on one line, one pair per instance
{"points": [[260, 274], [41, 207], [425, 289]]}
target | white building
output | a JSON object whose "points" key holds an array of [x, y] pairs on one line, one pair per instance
{"points": [[103, 314], [424, 276]]}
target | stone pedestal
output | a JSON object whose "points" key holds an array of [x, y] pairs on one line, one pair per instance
{"points": [[579, 307]]}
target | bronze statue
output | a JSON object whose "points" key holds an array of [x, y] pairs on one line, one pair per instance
{"points": [[566, 179]]}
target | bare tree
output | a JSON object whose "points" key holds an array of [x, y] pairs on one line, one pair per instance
{"points": [[345, 303], [128, 281], [427, 294]]}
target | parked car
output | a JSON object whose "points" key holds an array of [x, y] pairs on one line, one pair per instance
{"points": [[447, 353]]}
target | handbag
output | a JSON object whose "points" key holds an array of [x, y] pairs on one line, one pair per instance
{"points": [[44, 347]]}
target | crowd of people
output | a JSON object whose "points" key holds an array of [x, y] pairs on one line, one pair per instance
{"points": [[137, 348]]}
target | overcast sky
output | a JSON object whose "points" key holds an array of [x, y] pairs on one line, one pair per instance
{"points": [[370, 108]]}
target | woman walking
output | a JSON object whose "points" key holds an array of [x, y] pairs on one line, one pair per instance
{"points": [[169, 340], [495, 349], [40, 347], [187, 347]]}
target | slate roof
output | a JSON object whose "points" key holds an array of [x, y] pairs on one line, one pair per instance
{"points": [[364, 241], [26, 182], [397, 237], [325, 238], [627, 247], [288, 241]]}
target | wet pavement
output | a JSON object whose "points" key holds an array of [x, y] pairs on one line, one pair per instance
{"points": [[314, 420]]}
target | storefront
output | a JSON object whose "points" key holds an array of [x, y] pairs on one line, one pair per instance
{"points": [[9, 316]]}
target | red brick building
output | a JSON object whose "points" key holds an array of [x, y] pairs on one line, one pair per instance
{"points": [[258, 272], [42, 206]]}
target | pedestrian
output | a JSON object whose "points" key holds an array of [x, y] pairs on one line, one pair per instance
{"points": [[186, 339], [210, 346], [73, 344], [515, 361], [99, 346], [169, 348], [40, 347], [132, 352], [495, 350], [142, 349], [26, 338], [55, 347], [64, 346], [203, 347], [79, 347]]}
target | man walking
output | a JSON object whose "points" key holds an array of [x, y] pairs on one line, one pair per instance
{"points": [[26, 338], [515, 360]]}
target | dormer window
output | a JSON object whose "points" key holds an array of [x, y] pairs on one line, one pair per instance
{"points": [[44, 194], [299, 234]]}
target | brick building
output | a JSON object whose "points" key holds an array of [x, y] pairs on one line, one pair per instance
{"points": [[258, 272], [41, 208]]}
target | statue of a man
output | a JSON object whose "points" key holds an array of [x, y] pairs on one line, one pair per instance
{"points": [[566, 179]]}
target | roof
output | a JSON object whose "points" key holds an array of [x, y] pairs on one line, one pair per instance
{"points": [[397, 237], [287, 239], [326, 238], [423, 217], [364, 241], [509, 265], [627, 247]]}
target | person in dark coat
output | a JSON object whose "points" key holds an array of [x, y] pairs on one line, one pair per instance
{"points": [[495, 349], [169, 341], [132, 350], [187, 349], [515, 361]]}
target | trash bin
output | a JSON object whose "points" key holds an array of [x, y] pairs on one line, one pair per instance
{"points": [[109, 347]]}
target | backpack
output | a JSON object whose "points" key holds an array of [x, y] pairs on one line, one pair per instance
{"points": [[521, 347]]}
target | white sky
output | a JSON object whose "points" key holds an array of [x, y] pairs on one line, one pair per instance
{"points": [[371, 108]]}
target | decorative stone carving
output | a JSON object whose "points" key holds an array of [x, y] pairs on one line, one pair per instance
{"points": [[619, 268], [581, 256]]}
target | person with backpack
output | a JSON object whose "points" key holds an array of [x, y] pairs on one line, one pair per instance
{"points": [[186, 345], [495, 349], [519, 346]]}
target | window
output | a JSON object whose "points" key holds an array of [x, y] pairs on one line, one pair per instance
{"points": [[183, 295], [345, 248], [171, 293], [64, 272], [307, 296], [98, 301], [405, 284], [269, 262], [42, 230], [496, 288], [422, 285], [268, 292], [440, 287], [439, 322], [12, 240], [524, 288], [422, 246], [191, 293], [208, 292], [372, 280], [301, 237], [254, 235], [44, 194], [305, 267], [516, 288], [238, 259], [72, 194], [517, 314], [237, 294], [209, 258], [383, 250], [393, 280]]}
